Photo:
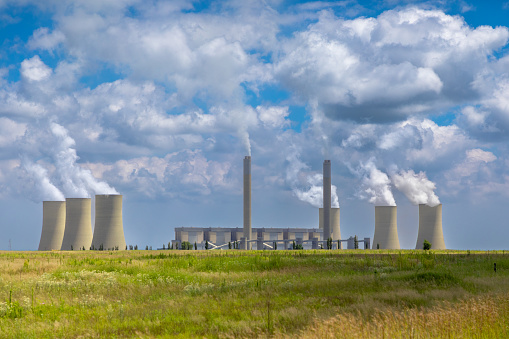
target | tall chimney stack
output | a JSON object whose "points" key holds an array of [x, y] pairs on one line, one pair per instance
{"points": [[326, 198], [247, 197]]}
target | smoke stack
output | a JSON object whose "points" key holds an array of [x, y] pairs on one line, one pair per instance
{"points": [[78, 224], [326, 199], [430, 227], [53, 225], [334, 221], [109, 228], [386, 228], [247, 197]]}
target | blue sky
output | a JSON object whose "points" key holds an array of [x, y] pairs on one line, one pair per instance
{"points": [[161, 101]]}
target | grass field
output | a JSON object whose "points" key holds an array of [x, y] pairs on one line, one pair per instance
{"points": [[317, 293]]}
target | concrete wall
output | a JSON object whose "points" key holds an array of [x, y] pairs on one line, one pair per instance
{"points": [[334, 220], [430, 227], [386, 227], [78, 224], [53, 225], [247, 198], [109, 227]]}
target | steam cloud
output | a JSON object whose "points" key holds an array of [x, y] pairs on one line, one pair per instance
{"points": [[416, 187], [46, 190], [375, 185], [307, 187], [76, 181], [244, 136]]}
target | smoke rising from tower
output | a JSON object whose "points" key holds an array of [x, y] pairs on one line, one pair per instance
{"points": [[376, 185], [76, 181], [46, 189], [307, 186], [416, 187]]}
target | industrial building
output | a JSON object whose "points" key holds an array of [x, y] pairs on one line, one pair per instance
{"points": [[430, 227], [53, 225], [109, 228], [219, 237], [78, 224], [270, 238], [386, 228]]}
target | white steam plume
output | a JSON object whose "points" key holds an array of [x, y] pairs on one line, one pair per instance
{"points": [[76, 181], [375, 185], [244, 136], [308, 187], [46, 190], [416, 187]]}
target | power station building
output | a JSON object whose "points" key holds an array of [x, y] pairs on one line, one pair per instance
{"points": [[78, 224], [430, 227], [53, 225], [109, 227], [261, 237]]}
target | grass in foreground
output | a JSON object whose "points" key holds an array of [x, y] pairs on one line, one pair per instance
{"points": [[316, 293]]}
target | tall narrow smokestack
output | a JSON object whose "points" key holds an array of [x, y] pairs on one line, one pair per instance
{"points": [[78, 224], [430, 227], [326, 199], [247, 197], [53, 225], [386, 228], [109, 228]]}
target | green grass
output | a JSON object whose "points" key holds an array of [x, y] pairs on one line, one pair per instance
{"points": [[251, 294]]}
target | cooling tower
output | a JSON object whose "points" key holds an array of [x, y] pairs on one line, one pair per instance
{"points": [[386, 228], [334, 220], [326, 199], [430, 227], [78, 225], [109, 228], [247, 198], [53, 225]]}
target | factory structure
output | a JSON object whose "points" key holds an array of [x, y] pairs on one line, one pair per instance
{"points": [[273, 238], [67, 225], [385, 236]]}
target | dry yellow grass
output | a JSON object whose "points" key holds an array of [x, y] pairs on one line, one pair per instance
{"points": [[479, 317]]}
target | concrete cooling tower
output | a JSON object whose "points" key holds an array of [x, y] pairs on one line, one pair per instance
{"points": [[334, 221], [247, 198], [78, 224], [326, 199], [430, 227], [386, 228], [109, 228], [53, 225]]}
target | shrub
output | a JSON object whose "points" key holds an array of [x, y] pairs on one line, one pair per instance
{"points": [[427, 245]]}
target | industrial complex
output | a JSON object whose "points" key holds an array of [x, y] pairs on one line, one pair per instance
{"points": [[67, 226]]}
